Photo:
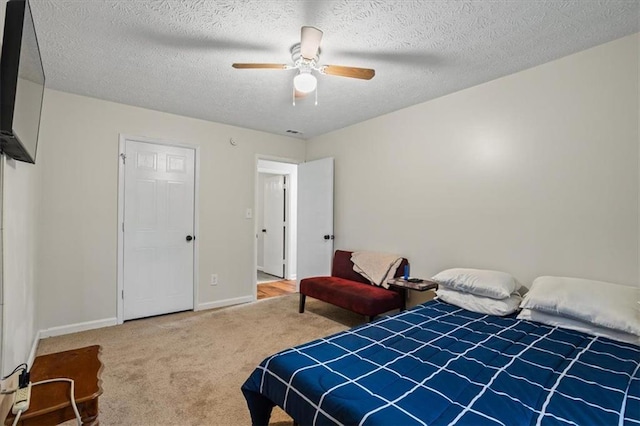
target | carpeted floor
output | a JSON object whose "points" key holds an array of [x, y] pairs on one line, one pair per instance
{"points": [[187, 368]]}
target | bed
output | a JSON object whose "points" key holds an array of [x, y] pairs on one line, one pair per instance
{"points": [[440, 364]]}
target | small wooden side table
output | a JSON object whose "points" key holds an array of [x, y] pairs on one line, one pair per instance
{"points": [[50, 403], [411, 284]]}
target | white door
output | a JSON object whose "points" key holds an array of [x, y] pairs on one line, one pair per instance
{"points": [[158, 229], [315, 218], [274, 231]]}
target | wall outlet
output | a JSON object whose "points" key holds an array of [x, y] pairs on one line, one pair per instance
{"points": [[214, 279]]}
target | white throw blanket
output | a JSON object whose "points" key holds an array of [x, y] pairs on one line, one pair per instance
{"points": [[376, 267]]}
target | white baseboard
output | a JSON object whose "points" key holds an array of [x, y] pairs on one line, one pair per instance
{"points": [[34, 349], [74, 328], [225, 302], [260, 268], [293, 277]]}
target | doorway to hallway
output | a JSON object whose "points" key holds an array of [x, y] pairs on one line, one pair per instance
{"points": [[306, 229], [276, 230]]}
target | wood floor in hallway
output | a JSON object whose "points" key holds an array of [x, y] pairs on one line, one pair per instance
{"points": [[276, 288]]}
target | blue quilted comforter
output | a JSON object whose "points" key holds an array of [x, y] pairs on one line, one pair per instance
{"points": [[438, 364]]}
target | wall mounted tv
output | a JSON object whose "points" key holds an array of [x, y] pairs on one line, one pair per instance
{"points": [[21, 84]]}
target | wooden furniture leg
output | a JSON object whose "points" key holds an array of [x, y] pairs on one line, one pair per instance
{"points": [[89, 413]]}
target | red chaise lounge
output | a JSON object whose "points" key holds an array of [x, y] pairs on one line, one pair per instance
{"points": [[349, 290]]}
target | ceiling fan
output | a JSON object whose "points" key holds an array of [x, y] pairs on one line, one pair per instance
{"points": [[305, 56]]}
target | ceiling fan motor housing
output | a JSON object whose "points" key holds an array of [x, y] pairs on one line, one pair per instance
{"points": [[300, 61]]}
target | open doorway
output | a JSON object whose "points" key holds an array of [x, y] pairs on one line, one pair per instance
{"points": [[276, 228]]}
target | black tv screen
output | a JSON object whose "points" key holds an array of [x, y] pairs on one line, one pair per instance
{"points": [[21, 84]]}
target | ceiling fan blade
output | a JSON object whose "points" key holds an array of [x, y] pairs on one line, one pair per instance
{"points": [[264, 66], [310, 38], [353, 72]]}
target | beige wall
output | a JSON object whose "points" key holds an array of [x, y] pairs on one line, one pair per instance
{"points": [[534, 173], [78, 232]]}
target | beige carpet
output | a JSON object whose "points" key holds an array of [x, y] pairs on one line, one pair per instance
{"points": [[187, 368]]}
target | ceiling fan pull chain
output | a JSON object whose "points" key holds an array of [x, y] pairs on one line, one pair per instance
{"points": [[294, 95], [316, 95]]}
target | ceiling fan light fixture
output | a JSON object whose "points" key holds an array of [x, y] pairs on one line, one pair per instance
{"points": [[305, 82]]}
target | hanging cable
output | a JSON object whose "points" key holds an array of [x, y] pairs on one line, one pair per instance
{"points": [[22, 366], [71, 392]]}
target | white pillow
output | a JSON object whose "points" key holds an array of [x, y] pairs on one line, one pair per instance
{"points": [[479, 304], [572, 324], [600, 303], [481, 282]]}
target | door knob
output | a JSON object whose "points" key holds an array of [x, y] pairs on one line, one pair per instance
{"points": [[189, 238]]}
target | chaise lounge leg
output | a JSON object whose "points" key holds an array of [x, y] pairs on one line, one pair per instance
{"points": [[369, 318], [303, 297]]}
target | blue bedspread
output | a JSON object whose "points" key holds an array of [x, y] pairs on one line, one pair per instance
{"points": [[438, 364]]}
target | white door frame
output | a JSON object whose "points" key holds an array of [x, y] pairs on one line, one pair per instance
{"points": [[196, 201], [255, 217]]}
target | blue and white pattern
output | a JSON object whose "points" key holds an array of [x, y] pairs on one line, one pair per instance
{"points": [[437, 364]]}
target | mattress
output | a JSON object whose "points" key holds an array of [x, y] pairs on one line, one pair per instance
{"points": [[437, 364]]}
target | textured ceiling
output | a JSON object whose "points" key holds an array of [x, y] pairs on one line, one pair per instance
{"points": [[176, 56]]}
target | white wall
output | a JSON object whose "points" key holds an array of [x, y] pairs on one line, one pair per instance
{"points": [[534, 173], [19, 192], [79, 153], [20, 207]]}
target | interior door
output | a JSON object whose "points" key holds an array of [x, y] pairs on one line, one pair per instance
{"points": [[274, 225], [315, 218], [158, 229]]}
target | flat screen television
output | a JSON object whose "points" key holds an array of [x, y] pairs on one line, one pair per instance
{"points": [[21, 84]]}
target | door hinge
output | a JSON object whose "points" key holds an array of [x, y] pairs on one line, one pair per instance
{"points": [[124, 157], [122, 226], [122, 295]]}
